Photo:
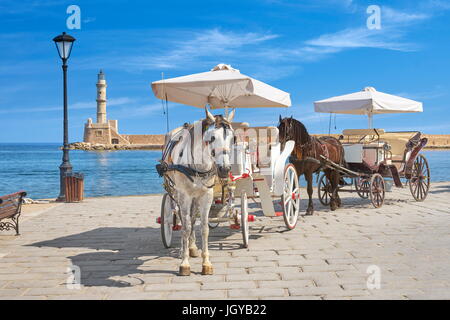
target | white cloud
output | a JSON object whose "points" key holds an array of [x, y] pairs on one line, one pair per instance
{"points": [[392, 16], [12, 7], [362, 38], [315, 4], [74, 106], [93, 105], [208, 43], [438, 4], [437, 92], [146, 109], [89, 20], [139, 111], [255, 51], [119, 101], [394, 26]]}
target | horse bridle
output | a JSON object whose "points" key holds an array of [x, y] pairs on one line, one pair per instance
{"points": [[287, 135], [288, 128], [224, 150]]}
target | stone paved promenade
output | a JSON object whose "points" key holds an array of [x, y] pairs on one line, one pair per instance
{"points": [[117, 246]]}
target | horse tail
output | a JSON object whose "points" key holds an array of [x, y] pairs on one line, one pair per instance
{"points": [[341, 156]]}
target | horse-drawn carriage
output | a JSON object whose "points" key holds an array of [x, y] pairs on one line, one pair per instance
{"points": [[371, 155], [252, 176], [220, 162]]}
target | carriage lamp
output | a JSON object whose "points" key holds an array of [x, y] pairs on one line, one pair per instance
{"points": [[64, 43]]}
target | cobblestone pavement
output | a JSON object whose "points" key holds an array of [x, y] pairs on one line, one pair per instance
{"points": [[116, 244]]}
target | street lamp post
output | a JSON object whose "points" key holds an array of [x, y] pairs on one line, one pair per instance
{"points": [[64, 44]]}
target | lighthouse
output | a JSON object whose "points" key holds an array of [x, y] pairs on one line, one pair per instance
{"points": [[106, 131], [101, 98]]}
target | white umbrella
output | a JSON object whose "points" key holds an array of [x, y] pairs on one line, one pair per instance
{"points": [[368, 102], [222, 87]]}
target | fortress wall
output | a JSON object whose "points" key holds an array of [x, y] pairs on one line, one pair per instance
{"points": [[91, 135], [437, 140], [115, 135], [434, 140], [155, 139]]}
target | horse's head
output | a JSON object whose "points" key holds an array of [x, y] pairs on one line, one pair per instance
{"points": [[292, 129], [285, 131], [219, 138]]}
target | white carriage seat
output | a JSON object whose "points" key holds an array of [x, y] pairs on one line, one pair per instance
{"points": [[363, 144], [239, 125], [361, 135], [261, 142], [373, 153], [370, 153], [239, 130], [353, 152], [238, 161], [398, 142], [362, 132]]}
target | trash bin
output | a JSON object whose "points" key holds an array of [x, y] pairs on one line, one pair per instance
{"points": [[74, 187], [388, 185]]}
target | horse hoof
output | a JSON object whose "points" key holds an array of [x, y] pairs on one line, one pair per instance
{"points": [[309, 212], [193, 253], [207, 270], [185, 271]]}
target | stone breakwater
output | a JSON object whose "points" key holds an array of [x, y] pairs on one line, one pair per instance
{"points": [[435, 141], [112, 147]]}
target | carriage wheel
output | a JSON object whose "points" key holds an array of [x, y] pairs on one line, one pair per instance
{"points": [[244, 219], [377, 190], [419, 184], [362, 186], [323, 190], [290, 200], [168, 220]]}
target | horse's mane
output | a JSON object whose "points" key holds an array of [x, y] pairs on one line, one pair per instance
{"points": [[298, 130]]}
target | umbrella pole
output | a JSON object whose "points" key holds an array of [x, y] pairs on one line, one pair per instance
{"points": [[370, 120]]}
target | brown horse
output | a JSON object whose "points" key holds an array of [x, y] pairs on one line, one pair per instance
{"points": [[306, 157]]}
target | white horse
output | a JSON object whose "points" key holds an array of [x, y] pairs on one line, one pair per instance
{"points": [[195, 155]]}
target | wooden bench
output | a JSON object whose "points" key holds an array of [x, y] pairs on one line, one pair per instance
{"points": [[10, 208]]}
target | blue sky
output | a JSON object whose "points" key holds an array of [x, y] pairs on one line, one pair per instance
{"points": [[312, 49]]}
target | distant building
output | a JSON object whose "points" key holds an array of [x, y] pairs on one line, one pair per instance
{"points": [[106, 131]]}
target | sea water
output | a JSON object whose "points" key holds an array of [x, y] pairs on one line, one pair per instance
{"points": [[35, 169]]}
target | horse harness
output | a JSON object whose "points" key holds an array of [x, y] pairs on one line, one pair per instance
{"points": [[164, 166], [312, 145], [309, 149]]}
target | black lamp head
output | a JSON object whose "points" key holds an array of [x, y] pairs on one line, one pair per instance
{"points": [[64, 43]]}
